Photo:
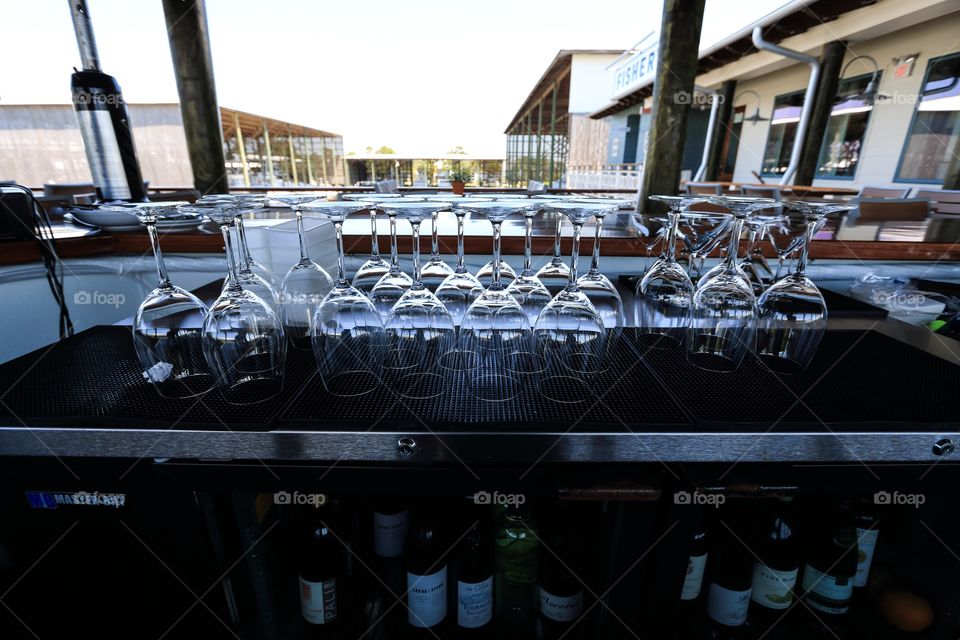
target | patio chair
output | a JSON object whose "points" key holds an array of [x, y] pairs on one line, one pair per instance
{"points": [[941, 200], [884, 192]]}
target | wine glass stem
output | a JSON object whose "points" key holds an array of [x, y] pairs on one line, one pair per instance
{"points": [[730, 260], [528, 245], [805, 248], [415, 227], [556, 239], [670, 248], [228, 249], [158, 256], [341, 277], [394, 259], [595, 259], [495, 281], [245, 258], [374, 243], [304, 256], [434, 240], [575, 253], [461, 268]]}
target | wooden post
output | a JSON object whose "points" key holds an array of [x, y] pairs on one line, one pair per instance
{"points": [[308, 147], [540, 141], [952, 179], [323, 160], [293, 159], [266, 140], [830, 66], [676, 72], [193, 68], [553, 131], [243, 150], [724, 125]]}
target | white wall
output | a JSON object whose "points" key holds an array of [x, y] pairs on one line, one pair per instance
{"points": [[889, 122], [590, 81]]}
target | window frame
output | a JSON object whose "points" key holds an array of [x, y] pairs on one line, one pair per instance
{"points": [[866, 131], [767, 174], [931, 63]]}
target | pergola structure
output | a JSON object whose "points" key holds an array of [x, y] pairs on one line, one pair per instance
{"points": [[262, 151]]}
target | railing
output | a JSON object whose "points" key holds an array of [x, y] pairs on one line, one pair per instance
{"points": [[604, 176]]}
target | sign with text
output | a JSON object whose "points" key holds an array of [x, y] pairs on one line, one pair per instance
{"points": [[637, 70]]}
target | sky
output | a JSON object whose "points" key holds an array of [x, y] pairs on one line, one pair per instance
{"points": [[419, 76]]}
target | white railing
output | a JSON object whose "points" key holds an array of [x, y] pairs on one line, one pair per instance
{"points": [[607, 176]]}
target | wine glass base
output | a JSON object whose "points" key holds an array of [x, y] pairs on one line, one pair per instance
{"points": [[350, 384], [189, 386], [709, 351], [251, 390], [781, 364], [669, 339]]}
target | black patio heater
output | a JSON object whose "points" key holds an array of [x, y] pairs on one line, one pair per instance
{"points": [[102, 117]]}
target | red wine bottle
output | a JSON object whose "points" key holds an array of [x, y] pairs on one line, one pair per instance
{"points": [[475, 584], [689, 624], [728, 594], [426, 570], [827, 583], [321, 563]]}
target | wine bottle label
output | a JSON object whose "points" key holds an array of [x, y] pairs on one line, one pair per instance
{"points": [[727, 606], [696, 566], [866, 544], [772, 588], [561, 608], [427, 598], [474, 603], [389, 530], [829, 594], [318, 601]]}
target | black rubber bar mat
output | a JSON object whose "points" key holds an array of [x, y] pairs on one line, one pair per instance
{"points": [[840, 305]]}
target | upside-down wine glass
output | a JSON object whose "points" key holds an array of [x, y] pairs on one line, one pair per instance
{"points": [[375, 267], [391, 287], [570, 332], [792, 314], [305, 283], [555, 275], [460, 288], [419, 328], [435, 270], [598, 287], [527, 289], [252, 274], [495, 334], [665, 293], [702, 232], [347, 333], [243, 338], [724, 312], [168, 326]]}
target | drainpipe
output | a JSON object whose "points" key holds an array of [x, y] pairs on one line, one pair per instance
{"points": [[711, 125], [807, 110]]}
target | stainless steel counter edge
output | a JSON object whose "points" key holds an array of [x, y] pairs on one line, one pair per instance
{"points": [[486, 447]]}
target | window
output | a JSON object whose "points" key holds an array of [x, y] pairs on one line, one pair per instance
{"points": [[783, 131], [843, 139], [932, 141]]}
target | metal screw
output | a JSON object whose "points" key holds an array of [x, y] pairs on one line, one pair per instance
{"points": [[943, 447], [406, 446]]}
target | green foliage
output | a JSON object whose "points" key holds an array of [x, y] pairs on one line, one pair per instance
{"points": [[460, 175]]}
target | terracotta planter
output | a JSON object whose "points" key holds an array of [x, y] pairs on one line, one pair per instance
{"points": [[457, 187]]}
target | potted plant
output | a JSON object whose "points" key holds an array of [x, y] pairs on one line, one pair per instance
{"points": [[458, 179]]}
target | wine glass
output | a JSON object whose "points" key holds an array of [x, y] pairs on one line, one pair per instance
{"points": [[495, 332], [598, 287], [792, 314], [757, 227], [701, 232], [654, 230], [665, 293], [787, 237], [435, 270], [168, 325], [460, 288], [375, 267], [570, 332], [724, 311], [243, 338], [347, 332], [419, 328], [555, 275], [391, 287], [527, 288], [252, 274], [304, 285]]}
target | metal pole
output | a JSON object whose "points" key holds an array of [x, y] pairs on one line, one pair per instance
{"points": [[808, 97], [89, 58], [724, 122], [711, 125], [266, 139], [553, 129], [242, 148]]}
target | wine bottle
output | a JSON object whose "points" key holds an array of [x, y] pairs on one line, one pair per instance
{"points": [[320, 573], [775, 575], [728, 596], [389, 528], [827, 583], [475, 584], [560, 590], [868, 531], [426, 570], [517, 559], [689, 621]]}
